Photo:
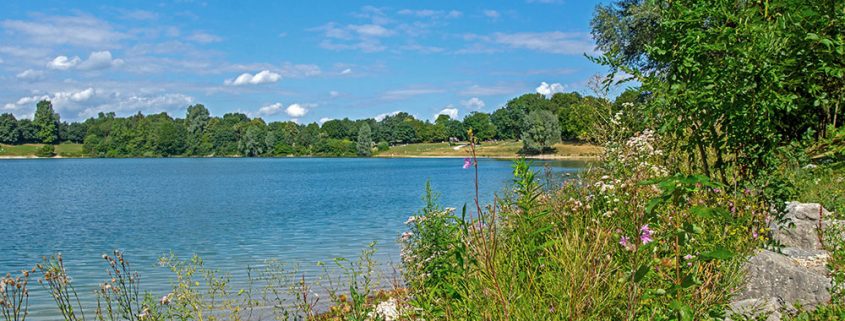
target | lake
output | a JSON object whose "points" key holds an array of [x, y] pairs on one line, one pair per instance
{"points": [[234, 213]]}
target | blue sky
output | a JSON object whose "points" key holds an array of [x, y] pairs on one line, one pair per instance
{"points": [[283, 60]]}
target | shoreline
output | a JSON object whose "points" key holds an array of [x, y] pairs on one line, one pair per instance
{"points": [[545, 157]]}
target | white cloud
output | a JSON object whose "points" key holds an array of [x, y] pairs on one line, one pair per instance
{"points": [[381, 117], [547, 89], [448, 111], [474, 103], [334, 93], [120, 103], [63, 63], [265, 76], [296, 110], [568, 43], [204, 37], [80, 30], [363, 37], [83, 103], [324, 120], [346, 71], [98, 60], [492, 14], [271, 109], [30, 75]]}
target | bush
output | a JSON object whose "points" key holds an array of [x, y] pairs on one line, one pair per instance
{"points": [[46, 151], [383, 146]]}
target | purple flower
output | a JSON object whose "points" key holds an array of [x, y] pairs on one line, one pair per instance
{"points": [[467, 163], [645, 234], [754, 233], [689, 257], [623, 241]]}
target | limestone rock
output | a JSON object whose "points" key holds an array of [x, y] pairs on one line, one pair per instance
{"points": [[775, 282]]}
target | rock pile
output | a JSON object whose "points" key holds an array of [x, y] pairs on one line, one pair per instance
{"points": [[776, 282]]}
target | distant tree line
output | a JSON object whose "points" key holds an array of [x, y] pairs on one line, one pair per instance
{"points": [[539, 121]]}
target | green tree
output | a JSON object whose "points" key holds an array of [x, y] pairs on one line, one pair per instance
{"points": [[542, 132], [481, 125], [9, 133], [47, 122], [732, 81], [365, 141], [509, 121], [28, 131], [252, 143], [170, 139]]}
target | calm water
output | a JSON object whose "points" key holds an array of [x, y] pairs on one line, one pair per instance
{"points": [[232, 212]]}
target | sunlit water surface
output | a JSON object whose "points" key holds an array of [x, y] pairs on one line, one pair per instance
{"points": [[234, 213]]}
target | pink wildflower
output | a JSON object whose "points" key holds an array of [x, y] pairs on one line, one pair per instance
{"points": [[645, 234], [623, 241], [467, 163]]}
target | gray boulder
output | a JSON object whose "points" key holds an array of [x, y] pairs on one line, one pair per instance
{"points": [[776, 281]]}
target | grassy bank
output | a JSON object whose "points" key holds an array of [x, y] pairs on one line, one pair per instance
{"points": [[30, 150], [502, 149]]}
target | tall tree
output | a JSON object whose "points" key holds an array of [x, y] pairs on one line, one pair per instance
{"points": [[47, 122], [365, 141], [543, 131]]}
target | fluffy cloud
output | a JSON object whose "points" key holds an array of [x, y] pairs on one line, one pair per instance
{"points": [[84, 103], [334, 93], [474, 103], [296, 110], [63, 63], [324, 120], [265, 76], [549, 89], [448, 111], [97, 60], [346, 71], [381, 117], [271, 109], [58, 99], [30, 75]]}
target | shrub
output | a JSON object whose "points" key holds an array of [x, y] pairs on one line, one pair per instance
{"points": [[46, 151]]}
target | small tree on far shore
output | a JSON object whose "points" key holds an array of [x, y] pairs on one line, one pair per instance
{"points": [[365, 141], [541, 133]]}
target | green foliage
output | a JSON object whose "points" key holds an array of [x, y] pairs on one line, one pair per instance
{"points": [[730, 82], [364, 143], [46, 151], [481, 125], [9, 133], [47, 122], [542, 132]]}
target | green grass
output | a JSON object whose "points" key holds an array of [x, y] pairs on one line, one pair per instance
{"points": [[486, 149], [29, 150]]}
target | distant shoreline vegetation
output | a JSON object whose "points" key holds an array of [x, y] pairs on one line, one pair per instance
{"points": [[541, 123]]}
